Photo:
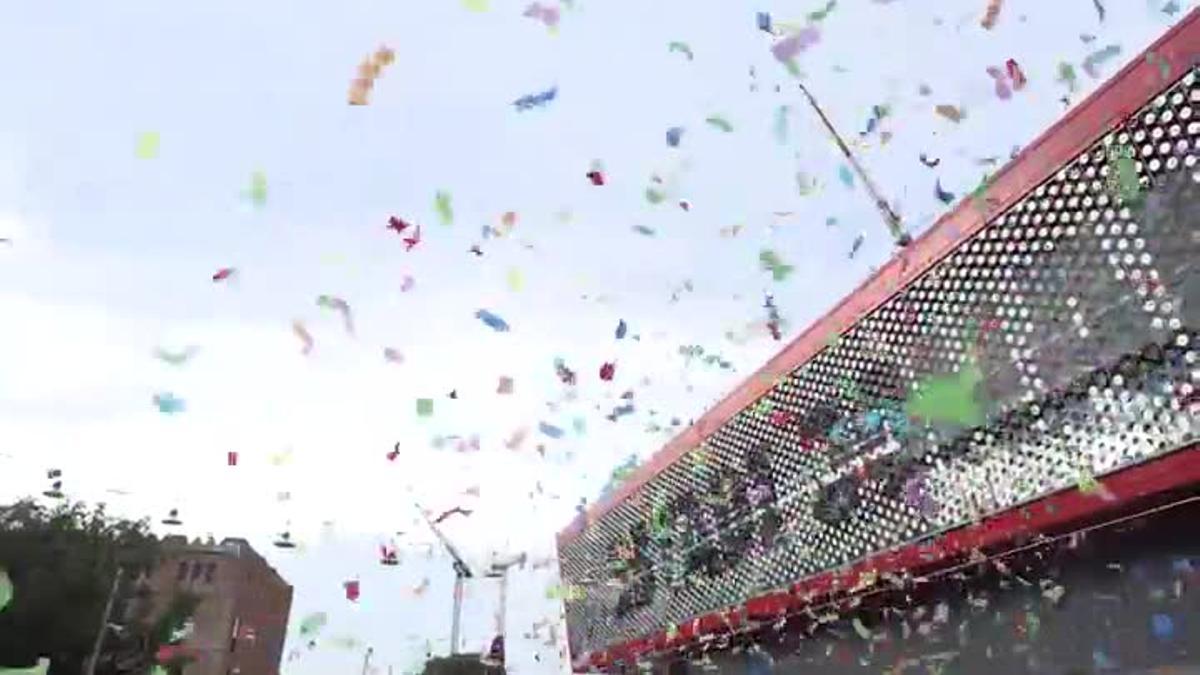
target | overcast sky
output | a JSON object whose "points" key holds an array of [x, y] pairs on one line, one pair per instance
{"points": [[112, 255]]}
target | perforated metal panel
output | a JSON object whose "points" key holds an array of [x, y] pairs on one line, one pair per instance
{"points": [[1072, 320]]}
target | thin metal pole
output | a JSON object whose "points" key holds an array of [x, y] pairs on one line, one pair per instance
{"points": [[457, 616], [367, 659], [890, 219], [501, 615], [90, 665]]}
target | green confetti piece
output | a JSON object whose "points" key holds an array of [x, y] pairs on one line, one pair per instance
{"points": [[6, 589], [147, 145], [258, 188], [823, 13], [425, 407], [477, 6], [313, 623], [654, 196], [770, 262], [1066, 75], [1087, 482], [720, 123], [949, 398], [445, 209]]}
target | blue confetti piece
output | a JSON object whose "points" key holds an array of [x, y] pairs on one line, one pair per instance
{"points": [[642, 229], [536, 100], [580, 425], [764, 22], [1162, 626], [846, 177], [169, 404], [550, 430], [494, 322], [621, 329], [674, 134]]}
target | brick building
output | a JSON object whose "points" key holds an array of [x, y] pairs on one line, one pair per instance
{"points": [[241, 623]]}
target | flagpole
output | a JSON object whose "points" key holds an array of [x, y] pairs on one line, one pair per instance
{"points": [[890, 219]]}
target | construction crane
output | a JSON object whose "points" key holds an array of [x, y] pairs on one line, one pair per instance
{"points": [[497, 570]]}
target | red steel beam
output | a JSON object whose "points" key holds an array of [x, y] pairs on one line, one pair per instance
{"points": [[1101, 112]]}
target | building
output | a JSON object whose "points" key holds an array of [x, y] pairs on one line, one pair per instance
{"points": [[982, 460], [241, 623]]}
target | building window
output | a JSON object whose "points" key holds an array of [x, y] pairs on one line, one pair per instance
{"points": [[209, 570], [183, 570], [197, 570]]}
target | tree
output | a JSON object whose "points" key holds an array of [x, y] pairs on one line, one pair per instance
{"points": [[62, 562]]}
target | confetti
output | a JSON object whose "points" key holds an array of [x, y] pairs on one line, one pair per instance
{"points": [[476, 6], [1066, 75], [1098, 58], [306, 338], [456, 511], [682, 48], [674, 134], [720, 123], [224, 274], [445, 210], [424, 407], [950, 112], [823, 13], [622, 328], [1161, 625], [931, 163], [147, 145], [948, 398], [607, 371], [1003, 91], [168, 404], [1164, 66], [770, 261], [313, 623], [505, 385], [231, 458], [596, 177], [846, 176], [1099, 9], [991, 14], [789, 48], [1015, 74], [492, 321], [781, 124], [643, 230], [352, 590], [368, 71], [550, 430], [516, 281], [257, 193], [549, 16], [856, 245], [942, 195], [6, 589], [763, 21], [340, 306], [392, 355], [176, 358], [538, 100]]}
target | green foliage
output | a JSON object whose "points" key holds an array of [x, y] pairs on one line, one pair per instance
{"points": [[62, 562]]}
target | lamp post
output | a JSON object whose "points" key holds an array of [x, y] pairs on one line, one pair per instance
{"points": [[461, 573]]}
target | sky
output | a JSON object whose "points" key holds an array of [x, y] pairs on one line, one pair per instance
{"points": [[111, 256]]}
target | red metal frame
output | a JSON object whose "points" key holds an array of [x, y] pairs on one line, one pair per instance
{"points": [[1106, 108], [1177, 470]]}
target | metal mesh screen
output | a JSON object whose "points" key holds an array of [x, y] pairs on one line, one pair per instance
{"points": [[1071, 319]]}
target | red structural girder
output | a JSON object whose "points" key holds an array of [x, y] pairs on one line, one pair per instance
{"points": [[1098, 115]]}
